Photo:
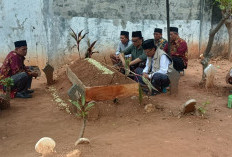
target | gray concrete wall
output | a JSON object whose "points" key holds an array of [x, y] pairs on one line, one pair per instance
{"points": [[23, 20], [45, 24]]}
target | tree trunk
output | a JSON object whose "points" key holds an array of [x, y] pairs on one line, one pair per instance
{"points": [[82, 128], [228, 24], [207, 55]]}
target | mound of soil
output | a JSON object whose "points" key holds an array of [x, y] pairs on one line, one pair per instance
{"points": [[92, 76]]}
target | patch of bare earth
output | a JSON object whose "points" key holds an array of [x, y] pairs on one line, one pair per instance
{"points": [[124, 129]]}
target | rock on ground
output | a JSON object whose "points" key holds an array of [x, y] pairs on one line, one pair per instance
{"points": [[82, 141], [74, 153], [45, 145], [189, 106], [149, 108]]}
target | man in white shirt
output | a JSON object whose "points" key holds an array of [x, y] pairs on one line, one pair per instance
{"points": [[158, 66], [124, 43]]}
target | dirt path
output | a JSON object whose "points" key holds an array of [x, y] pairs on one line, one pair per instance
{"points": [[160, 133]]}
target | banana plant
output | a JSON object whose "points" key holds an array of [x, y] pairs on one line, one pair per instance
{"points": [[83, 109]]}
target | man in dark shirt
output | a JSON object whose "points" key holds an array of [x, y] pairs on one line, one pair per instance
{"points": [[13, 66], [138, 57]]}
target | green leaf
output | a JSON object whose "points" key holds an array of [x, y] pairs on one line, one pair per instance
{"points": [[78, 114], [202, 110], [83, 100], [149, 85], [89, 106], [77, 105], [7, 82]]}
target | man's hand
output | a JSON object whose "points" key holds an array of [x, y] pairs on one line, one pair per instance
{"points": [[146, 76], [121, 57], [33, 74]]}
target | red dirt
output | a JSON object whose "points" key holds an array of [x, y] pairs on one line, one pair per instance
{"points": [[91, 76], [124, 129]]}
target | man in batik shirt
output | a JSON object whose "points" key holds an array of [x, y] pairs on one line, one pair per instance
{"points": [[13, 66], [178, 50], [159, 40]]}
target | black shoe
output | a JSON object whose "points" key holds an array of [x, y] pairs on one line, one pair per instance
{"points": [[145, 90], [29, 91], [154, 92], [23, 95]]}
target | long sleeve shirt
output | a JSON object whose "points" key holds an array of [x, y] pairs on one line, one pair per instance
{"points": [[164, 63], [178, 49], [135, 52], [161, 43], [121, 47], [12, 65]]}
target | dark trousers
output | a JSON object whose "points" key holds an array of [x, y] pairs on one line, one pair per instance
{"points": [[22, 81], [178, 63], [158, 80]]}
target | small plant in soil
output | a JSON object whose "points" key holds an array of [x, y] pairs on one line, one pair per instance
{"points": [[7, 82], [5, 99], [202, 109], [90, 51], [83, 109], [78, 39], [140, 95]]}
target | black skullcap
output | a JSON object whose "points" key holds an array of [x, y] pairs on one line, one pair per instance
{"points": [[137, 34], [125, 33], [158, 30], [174, 29], [20, 43], [149, 44]]}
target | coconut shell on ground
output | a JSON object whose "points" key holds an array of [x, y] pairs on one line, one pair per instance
{"points": [[45, 146], [189, 106]]}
